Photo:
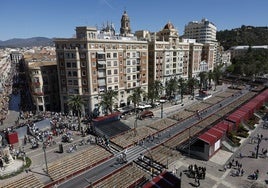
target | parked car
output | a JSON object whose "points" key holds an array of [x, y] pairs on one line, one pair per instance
{"points": [[145, 114], [143, 106]]}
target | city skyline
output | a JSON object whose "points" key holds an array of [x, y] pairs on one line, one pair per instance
{"points": [[29, 18]]}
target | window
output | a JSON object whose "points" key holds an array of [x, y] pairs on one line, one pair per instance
{"points": [[108, 55], [62, 72], [74, 64], [115, 55], [83, 64], [84, 82], [128, 77], [74, 73], [108, 63], [128, 62], [68, 65], [75, 82], [116, 79], [115, 71], [83, 73], [94, 64], [115, 63], [128, 70], [134, 77], [109, 72], [109, 80]]}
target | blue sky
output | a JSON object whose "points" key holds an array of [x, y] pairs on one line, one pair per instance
{"points": [[58, 18]]}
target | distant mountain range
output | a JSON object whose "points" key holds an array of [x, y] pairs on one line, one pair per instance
{"points": [[28, 42]]}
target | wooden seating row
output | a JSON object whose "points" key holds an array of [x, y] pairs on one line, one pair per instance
{"points": [[29, 181], [163, 154], [184, 114], [162, 124], [122, 178], [198, 107], [71, 164], [130, 137]]}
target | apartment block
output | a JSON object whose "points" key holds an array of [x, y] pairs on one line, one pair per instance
{"points": [[203, 31], [97, 60]]}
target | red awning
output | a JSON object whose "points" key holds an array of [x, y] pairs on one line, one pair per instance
{"points": [[208, 138]]}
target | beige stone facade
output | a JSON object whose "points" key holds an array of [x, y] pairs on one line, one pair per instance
{"points": [[98, 60]]}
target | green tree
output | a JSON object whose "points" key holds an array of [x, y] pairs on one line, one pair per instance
{"points": [[192, 83], [136, 98], [75, 103], [203, 80], [155, 90], [171, 87], [182, 87], [217, 74], [107, 100], [210, 77]]}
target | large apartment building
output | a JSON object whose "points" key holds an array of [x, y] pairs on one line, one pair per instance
{"points": [[170, 56], [203, 31], [97, 60], [42, 76]]}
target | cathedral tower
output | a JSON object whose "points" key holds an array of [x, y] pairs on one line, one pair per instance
{"points": [[125, 25]]}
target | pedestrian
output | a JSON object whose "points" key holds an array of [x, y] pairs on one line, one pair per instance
{"points": [[1, 164], [242, 172]]}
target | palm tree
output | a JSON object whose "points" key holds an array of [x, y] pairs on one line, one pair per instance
{"points": [[210, 77], [136, 97], [107, 100], [75, 102], [203, 80], [171, 87], [154, 91], [217, 74], [192, 83], [182, 85]]}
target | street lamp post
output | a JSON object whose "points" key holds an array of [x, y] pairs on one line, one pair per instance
{"points": [[258, 146], [161, 109], [45, 155]]}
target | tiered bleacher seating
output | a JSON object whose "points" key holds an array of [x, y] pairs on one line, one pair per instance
{"points": [[79, 161], [129, 138], [198, 107], [213, 100], [182, 115], [29, 181], [163, 153], [227, 93], [124, 177], [162, 124]]}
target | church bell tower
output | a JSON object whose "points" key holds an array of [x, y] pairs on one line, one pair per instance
{"points": [[125, 25]]}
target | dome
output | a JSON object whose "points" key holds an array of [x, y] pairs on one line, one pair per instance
{"points": [[169, 26]]}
